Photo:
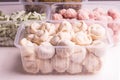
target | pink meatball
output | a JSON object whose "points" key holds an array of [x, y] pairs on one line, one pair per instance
{"points": [[70, 13], [114, 14], [116, 38], [103, 18], [91, 15], [82, 14], [109, 18], [115, 26], [100, 11], [57, 16], [62, 11]]}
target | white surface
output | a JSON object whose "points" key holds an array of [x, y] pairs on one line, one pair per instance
{"points": [[11, 68]]}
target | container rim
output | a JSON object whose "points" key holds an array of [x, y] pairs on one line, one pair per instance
{"points": [[24, 3], [82, 3]]}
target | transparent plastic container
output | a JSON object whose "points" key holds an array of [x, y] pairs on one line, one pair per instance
{"points": [[56, 7], [68, 58], [15, 13], [95, 11]]}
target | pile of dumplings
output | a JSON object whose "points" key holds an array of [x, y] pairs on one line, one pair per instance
{"points": [[72, 47]]}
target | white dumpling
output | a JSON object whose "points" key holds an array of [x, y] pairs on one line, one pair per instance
{"points": [[98, 48], [43, 35], [92, 63], [65, 48], [28, 48], [79, 54], [79, 26], [60, 64], [34, 38], [82, 38], [96, 31], [31, 65], [74, 68], [34, 27], [46, 66], [45, 50], [65, 26], [51, 29]]}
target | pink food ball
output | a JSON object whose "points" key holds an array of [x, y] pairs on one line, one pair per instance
{"points": [[109, 18], [91, 15], [62, 11], [57, 16], [115, 26], [82, 15], [114, 14], [101, 11], [116, 39], [101, 18], [70, 13]]}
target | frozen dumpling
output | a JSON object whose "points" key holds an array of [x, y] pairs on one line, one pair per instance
{"points": [[60, 64], [79, 54], [82, 38], [46, 66], [92, 63], [74, 68], [96, 31], [98, 48], [45, 50], [65, 48]]}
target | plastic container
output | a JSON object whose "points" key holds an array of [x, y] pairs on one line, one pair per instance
{"points": [[81, 5], [65, 56], [106, 12], [15, 13]]}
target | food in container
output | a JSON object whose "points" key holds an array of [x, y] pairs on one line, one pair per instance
{"points": [[10, 18], [59, 54], [90, 11]]}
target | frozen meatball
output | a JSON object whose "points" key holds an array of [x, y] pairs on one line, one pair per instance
{"points": [[115, 26], [114, 13], [62, 11], [101, 11], [82, 14], [70, 13], [57, 16]]}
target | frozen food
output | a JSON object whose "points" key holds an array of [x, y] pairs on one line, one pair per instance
{"points": [[69, 47]]}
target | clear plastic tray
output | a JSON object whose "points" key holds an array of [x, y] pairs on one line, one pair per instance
{"points": [[9, 9], [81, 5], [89, 6], [45, 66]]}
